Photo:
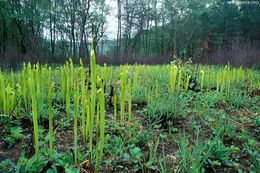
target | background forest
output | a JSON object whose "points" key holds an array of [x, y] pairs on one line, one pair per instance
{"points": [[148, 31]]}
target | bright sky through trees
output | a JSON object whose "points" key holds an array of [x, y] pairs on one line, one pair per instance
{"points": [[111, 27]]}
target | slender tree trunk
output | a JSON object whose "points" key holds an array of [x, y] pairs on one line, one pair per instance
{"points": [[102, 40], [73, 39], [162, 37], [147, 38], [156, 37], [72, 29], [81, 46], [51, 30], [54, 39], [4, 36], [119, 28], [86, 46]]}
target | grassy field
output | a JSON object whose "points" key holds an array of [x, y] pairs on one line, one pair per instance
{"points": [[171, 118]]}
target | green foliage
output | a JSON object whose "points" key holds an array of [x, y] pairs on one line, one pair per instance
{"points": [[75, 117], [184, 152], [26, 165], [101, 124], [31, 85], [83, 100], [236, 99], [129, 102], [173, 75], [202, 80], [16, 134], [218, 153], [50, 111], [213, 152], [93, 78], [167, 107], [227, 118], [115, 105], [135, 153], [123, 80], [68, 90]]}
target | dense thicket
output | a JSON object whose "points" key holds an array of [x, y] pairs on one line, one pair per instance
{"points": [[149, 31], [49, 30], [211, 31]]}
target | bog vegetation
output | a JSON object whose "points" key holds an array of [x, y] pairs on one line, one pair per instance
{"points": [[171, 118], [129, 31]]}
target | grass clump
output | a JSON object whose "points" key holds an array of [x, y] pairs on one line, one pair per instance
{"points": [[31, 85]]}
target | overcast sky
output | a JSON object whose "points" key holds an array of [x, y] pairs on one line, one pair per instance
{"points": [[111, 28], [111, 25]]}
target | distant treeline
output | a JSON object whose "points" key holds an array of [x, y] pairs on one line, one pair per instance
{"points": [[149, 31]]}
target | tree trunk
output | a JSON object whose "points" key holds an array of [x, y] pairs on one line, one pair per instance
{"points": [[119, 30], [73, 38], [23, 47], [4, 36], [51, 32]]}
